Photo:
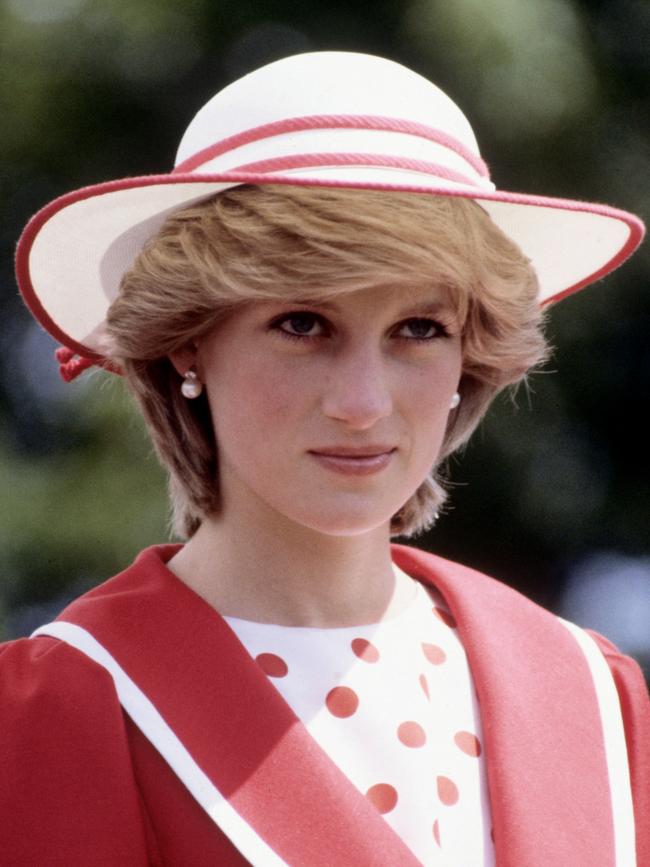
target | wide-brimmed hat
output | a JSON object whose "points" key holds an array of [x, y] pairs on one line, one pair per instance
{"points": [[331, 118]]}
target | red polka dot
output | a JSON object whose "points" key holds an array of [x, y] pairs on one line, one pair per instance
{"points": [[382, 796], [436, 655], [425, 686], [436, 832], [365, 650], [447, 791], [468, 743], [411, 734], [446, 616], [272, 664], [342, 701]]}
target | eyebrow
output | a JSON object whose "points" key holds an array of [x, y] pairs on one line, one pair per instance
{"points": [[422, 308]]}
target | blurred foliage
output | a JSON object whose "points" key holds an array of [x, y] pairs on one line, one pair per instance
{"points": [[87, 496], [557, 91]]}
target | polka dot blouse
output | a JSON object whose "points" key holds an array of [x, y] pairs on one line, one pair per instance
{"points": [[394, 706]]}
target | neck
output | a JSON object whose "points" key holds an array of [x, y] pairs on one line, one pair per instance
{"points": [[292, 575]]}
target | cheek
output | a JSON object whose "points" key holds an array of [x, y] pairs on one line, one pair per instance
{"points": [[251, 400], [433, 386], [429, 405]]}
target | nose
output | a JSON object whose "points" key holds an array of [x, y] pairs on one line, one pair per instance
{"points": [[357, 390]]}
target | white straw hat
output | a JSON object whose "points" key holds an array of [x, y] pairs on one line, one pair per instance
{"points": [[328, 118]]}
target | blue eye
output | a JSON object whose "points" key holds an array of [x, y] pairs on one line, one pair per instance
{"points": [[299, 325], [422, 329], [303, 326]]}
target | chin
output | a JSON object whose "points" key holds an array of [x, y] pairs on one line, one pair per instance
{"points": [[341, 524]]}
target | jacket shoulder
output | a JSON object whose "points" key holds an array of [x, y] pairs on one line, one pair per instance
{"points": [[463, 582], [35, 672], [66, 777]]}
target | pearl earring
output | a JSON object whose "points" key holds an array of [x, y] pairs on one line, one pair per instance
{"points": [[192, 385], [455, 401]]}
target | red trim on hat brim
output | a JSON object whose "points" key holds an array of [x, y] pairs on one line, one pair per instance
{"points": [[235, 178]]}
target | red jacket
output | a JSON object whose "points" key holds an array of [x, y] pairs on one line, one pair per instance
{"points": [[80, 784]]}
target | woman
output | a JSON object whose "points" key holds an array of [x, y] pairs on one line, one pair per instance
{"points": [[314, 310]]}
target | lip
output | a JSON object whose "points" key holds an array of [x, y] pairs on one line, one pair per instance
{"points": [[352, 451], [355, 461]]}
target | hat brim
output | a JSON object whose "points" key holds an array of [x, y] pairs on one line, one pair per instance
{"points": [[74, 251]]}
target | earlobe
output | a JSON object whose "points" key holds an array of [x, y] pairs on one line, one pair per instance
{"points": [[184, 357]]}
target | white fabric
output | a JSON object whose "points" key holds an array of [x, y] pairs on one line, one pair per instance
{"points": [[359, 724]]}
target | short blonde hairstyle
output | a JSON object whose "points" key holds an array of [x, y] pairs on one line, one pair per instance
{"points": [[270, 242]]}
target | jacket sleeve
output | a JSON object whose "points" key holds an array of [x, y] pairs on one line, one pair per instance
{"points": [[635, 708], [67, 792]]}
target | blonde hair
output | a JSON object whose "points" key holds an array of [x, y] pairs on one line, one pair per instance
{"points": [[250, 243]]}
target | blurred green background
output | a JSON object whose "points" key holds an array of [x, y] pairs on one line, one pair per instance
{"points": [[552, 495]]}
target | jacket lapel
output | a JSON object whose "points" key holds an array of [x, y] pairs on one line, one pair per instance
{"points": [[233, 722], [547, 770]]}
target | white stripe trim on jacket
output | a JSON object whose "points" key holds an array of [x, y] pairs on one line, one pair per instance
{"points": [[615, 747], [145, 715]]}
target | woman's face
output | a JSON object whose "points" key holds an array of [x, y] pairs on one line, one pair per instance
{"points": [[330, 415]]}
